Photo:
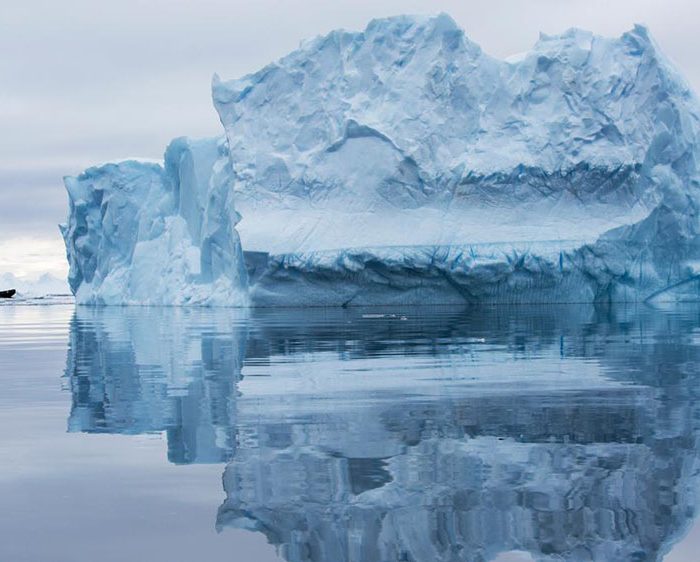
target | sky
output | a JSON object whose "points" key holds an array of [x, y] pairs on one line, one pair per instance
{"points": [[84, 82]]}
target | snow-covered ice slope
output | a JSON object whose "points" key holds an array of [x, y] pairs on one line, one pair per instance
{"points": [[403, 164], [142, 233]]}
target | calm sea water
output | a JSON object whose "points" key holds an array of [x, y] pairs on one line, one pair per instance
{"points": [[405, 434]]}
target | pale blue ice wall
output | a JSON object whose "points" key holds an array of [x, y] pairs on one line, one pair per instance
{"points": [[142, 233]]}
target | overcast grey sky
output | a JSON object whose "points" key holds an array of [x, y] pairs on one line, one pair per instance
{"points": [[87, 81]]}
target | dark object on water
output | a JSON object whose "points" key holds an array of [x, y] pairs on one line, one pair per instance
{"points": [[7, 294]]}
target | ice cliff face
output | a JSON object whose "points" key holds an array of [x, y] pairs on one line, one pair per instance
{"points": [[141, 233], [403, 164]]}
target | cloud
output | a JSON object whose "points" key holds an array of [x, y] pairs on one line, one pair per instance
{"points": [[29, 257]]}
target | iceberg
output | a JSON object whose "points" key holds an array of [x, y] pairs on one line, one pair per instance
{"points": [[44, 286], [145, 233], [402, 164]]}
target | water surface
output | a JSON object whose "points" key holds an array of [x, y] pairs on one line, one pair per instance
{"points": [[361, 435]]}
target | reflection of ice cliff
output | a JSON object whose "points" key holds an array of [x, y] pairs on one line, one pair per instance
{"points": [[587, 474], [137, 371], [447, 435]]}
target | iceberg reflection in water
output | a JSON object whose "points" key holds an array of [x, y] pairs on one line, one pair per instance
{"points": [[415, 434]]}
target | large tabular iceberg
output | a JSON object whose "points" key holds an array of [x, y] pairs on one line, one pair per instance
{"points": [[404, 165]]}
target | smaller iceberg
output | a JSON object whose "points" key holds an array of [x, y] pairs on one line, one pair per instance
{"points": [[145, 233]]}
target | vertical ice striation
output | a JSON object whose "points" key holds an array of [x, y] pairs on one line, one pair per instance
{"points": [[142, 233]]}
